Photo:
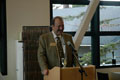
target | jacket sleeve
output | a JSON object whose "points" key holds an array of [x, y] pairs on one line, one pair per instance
{"points": [[42, 59]]}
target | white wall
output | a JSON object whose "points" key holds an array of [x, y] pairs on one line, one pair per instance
{"points": [[23, 13]]}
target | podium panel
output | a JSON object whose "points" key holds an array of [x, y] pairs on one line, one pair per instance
{"points": [[71, 73]]}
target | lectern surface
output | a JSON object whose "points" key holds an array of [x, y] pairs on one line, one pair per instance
{"points": [[71, 73]]}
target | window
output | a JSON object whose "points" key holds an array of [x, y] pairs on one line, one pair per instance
{"points": [[110, 48], [103, 30], [110, 37], [109, 18], [109, 0], [72, 15]]}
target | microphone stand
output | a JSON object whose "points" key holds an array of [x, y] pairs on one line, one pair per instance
{"points": [[81, 70]]}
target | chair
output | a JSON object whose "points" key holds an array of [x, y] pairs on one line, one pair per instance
{"points": [[102, 76], [115, 75]]}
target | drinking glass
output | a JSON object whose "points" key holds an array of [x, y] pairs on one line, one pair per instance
{"points": [[63, 62]]}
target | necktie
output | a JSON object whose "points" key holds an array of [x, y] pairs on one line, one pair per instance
{"points": [[60, 50]]}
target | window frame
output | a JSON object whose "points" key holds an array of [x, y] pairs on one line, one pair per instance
{"points": [[95, 39], [3, 38]]}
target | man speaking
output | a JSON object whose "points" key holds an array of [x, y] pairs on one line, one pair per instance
{"points": [[53, 48]]}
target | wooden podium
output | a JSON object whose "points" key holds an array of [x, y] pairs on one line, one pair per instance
{"points": [[71, 73]]}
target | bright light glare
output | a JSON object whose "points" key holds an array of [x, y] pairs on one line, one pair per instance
{"points": [[59, 6]]}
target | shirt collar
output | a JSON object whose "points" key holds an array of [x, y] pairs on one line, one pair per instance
{"points": [[54, 35]]}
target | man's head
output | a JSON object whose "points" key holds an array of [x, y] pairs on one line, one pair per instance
{"points": [[58, 25]]}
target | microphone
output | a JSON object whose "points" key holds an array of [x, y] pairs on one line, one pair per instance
{"points": [[71, 45], [81, 70]]}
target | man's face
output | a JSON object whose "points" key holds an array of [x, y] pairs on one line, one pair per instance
{"points": [[58, 27]]}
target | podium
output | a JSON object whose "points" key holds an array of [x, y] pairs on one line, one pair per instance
{"points": [[71, 73]]}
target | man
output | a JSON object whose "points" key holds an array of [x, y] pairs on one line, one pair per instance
{"points": [[48, 53]]}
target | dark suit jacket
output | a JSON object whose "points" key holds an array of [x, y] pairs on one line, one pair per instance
{"points": [[48, 56]]}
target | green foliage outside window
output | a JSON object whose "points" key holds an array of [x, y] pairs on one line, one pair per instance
{"points": [[106, 49]]}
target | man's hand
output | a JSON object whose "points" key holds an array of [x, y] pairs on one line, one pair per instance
{"points": [[45, 72]]}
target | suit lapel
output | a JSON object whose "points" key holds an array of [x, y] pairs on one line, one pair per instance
{"points": [[51, 37]]}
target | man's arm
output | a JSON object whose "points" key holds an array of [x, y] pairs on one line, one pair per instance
{"points": [[42, 59]]}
